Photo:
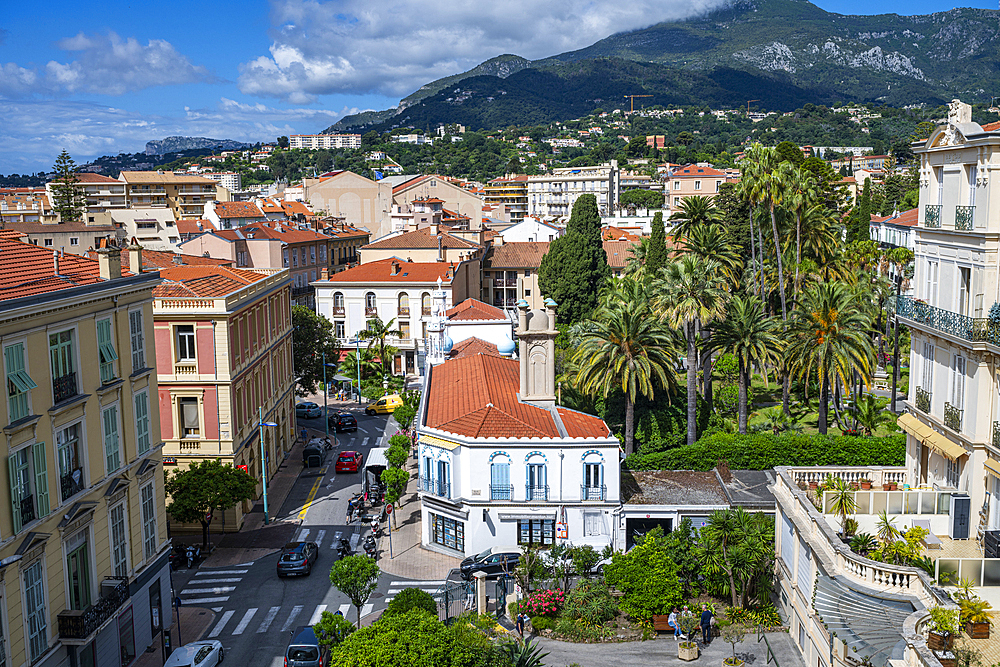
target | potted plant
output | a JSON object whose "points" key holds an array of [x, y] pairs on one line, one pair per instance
{"points": [[946, 658], [687, 649], [889, 486], [733, 634], [866, 484], [942, 628], [975, 617]]}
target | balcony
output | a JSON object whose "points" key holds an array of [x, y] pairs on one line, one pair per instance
{"points": [[505, 282], [536, 493], [371, 311], [996, 435], [338, 311], [923, 401], [64, 388], [403, 311], [963, 217], [436, 486], [932, 216], [305, 289], [425, 311], [505, 303], [71, 483], [186, 368], [593, 492], [973, 329], [26, 508], [953, 417], [501, 492], [79, 625]]}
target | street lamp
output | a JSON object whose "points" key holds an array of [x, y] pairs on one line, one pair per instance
{"points": [[263, 462], [326, 390]]}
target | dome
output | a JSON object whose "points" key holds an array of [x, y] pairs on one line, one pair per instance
{"points": [[538, 320], [505, 346], [448, 343]]}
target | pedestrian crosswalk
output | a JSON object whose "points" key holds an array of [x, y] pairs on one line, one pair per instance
{"points": [[208, 586], [396, 587]]}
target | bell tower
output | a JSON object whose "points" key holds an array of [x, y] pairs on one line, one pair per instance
{"points": [[536, 331]]}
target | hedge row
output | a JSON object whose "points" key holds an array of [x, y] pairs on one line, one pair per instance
{"points": [[762, 451]]}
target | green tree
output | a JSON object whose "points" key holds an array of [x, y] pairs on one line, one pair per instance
{"points": [[789, 152], [575, 267], [641, 198], [356, 577], [646, 576], [657, 255], [843, 502], [413, 639], [694, 212], [767, 187], [861, 220], [681, 546], [312, 337], [395, 480], [204, 488], [869, 413], [636, 146], [411, 598], [377, 335], [68, 200], [737, 548], [712, 242], [333, 629], [283, 142]]}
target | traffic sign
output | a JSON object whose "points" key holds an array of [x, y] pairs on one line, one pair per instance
{"points": [[388, 509]]}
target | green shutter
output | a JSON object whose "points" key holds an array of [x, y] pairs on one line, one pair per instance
{"points": [[41, 479], [14, 355], [142, 422], [104, 341], [15, 502], [111, 448]]}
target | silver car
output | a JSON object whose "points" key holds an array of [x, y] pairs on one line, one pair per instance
{"points": [[206, 653]]}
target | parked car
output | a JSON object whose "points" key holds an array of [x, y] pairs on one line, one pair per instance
{"points": [[385, 405], [494, 562], [343, 421], [308, 410], [208, 653], [313, 455], [297, 558], [304, 650], [567, 562], [349, 461]]}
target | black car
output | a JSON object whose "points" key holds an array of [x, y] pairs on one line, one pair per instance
{"points": [[297, 558], [494, 562], [343, 421]]}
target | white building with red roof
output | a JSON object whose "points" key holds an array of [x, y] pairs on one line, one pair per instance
{"points": [[501, 463], [695, 180]]}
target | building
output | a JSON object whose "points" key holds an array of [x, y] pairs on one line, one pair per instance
{"points": [[510, 274], [456, 200], [324, 141], [72, 237], [694, 180], [510, 192], [500, 462], [896, 230], [25, 205], [553, 195], [529, 230], [100, 192], [473, 319], [230, 180], [233, 214], [392, 289], [345, 244], [85, 570], [868, 162], [184, 194], [415, 139], [223, 341], [153, 228], [434, 243], [358, 201]]}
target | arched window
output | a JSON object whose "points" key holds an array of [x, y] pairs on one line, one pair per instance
{"points": [[537, 486], [593, 477], [370, 309], [338, 303], [404, 305], [500, 486], [425, 304]]}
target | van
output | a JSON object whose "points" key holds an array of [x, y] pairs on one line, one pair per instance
{"points": [[304, 650], [385, 405]]}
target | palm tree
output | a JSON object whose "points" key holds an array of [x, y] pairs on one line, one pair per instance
{"points": [[801, 198], [828, 338], [376, 335], [625, 347], [752, 337], [885, 528], [691, 293], [843, 502], [869, 413], [768, 188], [712, 241], [636, 262], [349, 366], [694, 211]]}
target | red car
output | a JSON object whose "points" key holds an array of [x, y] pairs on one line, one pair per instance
{"points": [[349, 462]]}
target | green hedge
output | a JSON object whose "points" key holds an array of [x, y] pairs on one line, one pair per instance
{"points": [[762, 451]]}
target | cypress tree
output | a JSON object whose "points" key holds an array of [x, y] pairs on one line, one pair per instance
{"points": [[575, 267], [862, 217], [656, 255]]}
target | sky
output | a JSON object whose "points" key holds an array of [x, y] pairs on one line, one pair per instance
{"points": [[106, 78]]}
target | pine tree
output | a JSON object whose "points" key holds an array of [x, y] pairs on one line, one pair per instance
{"points": [[575, 267], [68, 201], [656, 257], [860, 228]]}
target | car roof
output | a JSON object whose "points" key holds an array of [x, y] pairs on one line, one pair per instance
{"points": [[349, 452], [187, 652], [304, 636], [307, 404], [503, 550], [294, 546]]}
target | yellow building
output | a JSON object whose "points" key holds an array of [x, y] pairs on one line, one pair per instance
{"points": [[84, 572], [510, 191], [184, 194]]}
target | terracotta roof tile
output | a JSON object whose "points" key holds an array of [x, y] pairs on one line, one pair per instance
{"points": [[89, 177], [904, 219], [381, 272], [421, 238], [473, 346], [616, 234], [475, 310], [518, 255], [582, 425], [205, 282], [238, 209], [163, 177], [194, 226], [618, 253], [992, 127], [27, 270], [693, 170]]}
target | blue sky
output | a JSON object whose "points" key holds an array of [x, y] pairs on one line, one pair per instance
{"points": [[102, 78]]}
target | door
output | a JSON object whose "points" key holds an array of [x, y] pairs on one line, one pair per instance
{"points": [[536, 481], [79, 577], [442, 479], [592, 480]]}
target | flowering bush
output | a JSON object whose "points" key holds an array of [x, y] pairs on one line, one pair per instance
{"points": [[545, 603]]}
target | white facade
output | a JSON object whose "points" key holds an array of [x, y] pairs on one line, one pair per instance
{"points": [[530, 230], [327, 141], [230, 180], [415, 139], [153, 228], [553, 195]]}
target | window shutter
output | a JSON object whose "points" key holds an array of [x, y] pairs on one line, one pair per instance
{"points": [[142, 423], [16, 375], [104, 341], [15, 502], [111, 452], [41, 479]]}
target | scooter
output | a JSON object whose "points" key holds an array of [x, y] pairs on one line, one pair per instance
{"points": [[371, 548], [376, 527], [344, 547], [193, 555]]}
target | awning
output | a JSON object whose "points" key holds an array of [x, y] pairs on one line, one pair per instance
{"points": [[992, 467], [914, 426], [439, 442], [945, 446]]}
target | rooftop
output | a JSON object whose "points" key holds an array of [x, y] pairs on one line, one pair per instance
{"points": [[203, 282], [904, 219], [238, 209], [471, 347], [618, 253], [420, 238], [473, 310], [693, 170], [517, 255], [382, 272], [27, 270], [163, 177], [672, 487]]}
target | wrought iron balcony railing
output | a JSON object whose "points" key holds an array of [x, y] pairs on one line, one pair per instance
{"points": [[963, 217], [952, 417], [973, 329], [436, 486], [932, 216], [923, 400], [501, 492], [80, 624], [403, 311], [64, 388], [996, 434], [593, 492], [338, 311], [71, 483], [536, 493]]}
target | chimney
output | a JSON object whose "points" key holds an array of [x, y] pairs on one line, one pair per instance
{"points": [[537, 333], [109, 261], [178, 260], [135, 257], [440, 249], [55, 263], [395, 268], [324, 273], [434, 227]]}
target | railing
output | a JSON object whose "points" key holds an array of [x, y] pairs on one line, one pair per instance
{"points": [[403, 311], [593, 492], [932, 216], [984, 571], [68, 484], [504, 303], [878, 476], [974, 329], [338, 311], [371, 312], [963, 217], [923, 400], [190, 446], [952, 417], [501, 492], [26, 508], [996, 434], [505, 282], [436, 486], [536, 493], [80, 624], [186, 369], [299, 291], [64, 387]]}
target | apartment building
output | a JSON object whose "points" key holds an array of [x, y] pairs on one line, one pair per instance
{"points": [[359, 201], [510, 274], [324, 141], [224, 364], [426, 244], [25, 205], [695, 180], [896, 230], [184, 194], [553, 195], [233, 214], [456, 201], [84, 568], [230, 180], [509, 191], [345, 244], [101, 193], [868, 162], [153, 228], [72, 237]]}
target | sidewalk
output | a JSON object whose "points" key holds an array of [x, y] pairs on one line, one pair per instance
{"points": [[195, 621]]}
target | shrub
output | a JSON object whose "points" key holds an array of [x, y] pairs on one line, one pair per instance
{"points": [[545, 603], [647, 576], [404, 415], [411, 598], [396, 455], [399, 440], [763, 451], [766, 616], [591, 602], [540, 623]]}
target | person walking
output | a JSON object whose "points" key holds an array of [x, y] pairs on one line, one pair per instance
{"points": [[706, 624], [519, 623], [672, 622]]}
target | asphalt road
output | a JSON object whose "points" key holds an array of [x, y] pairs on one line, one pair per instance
{"points": [[256, 612]]}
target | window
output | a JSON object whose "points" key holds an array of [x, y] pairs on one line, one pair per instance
{"points": [[63, 366], [953, 473], [404, 330], [48, 243], [148, 494], [137, 337], [718, 184], [295, 257], [537, 487], [500, 488], [592, 481], [119, 540], [322, 253], [697, 185], [592, 524], [141, 422], [448, 532], [339, 329], [927, 383], [106, 351], [425, 304], [34, 609], [284, 257], [404, 304], [185, 342], [112, 443], [930, 291], [972, 185], [312, 254], [964, 284], [19, 383], [939, 177], [69, 451], [527, 292], [312, 275], [29, 484], [370, 302], [189, 417], [338, 300], [538, 532], [527, 273], [958, 381]]}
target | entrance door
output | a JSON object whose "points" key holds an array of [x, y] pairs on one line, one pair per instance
{"points": [[79, 577]]}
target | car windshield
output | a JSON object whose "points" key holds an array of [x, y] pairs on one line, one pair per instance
{"points": [[483, 555], [345, 457], [302, 653]]}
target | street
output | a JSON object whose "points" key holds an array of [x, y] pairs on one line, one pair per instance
{"points": [[256, 612]]}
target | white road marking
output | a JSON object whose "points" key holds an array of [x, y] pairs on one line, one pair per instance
{"points": [[319, 538], [232, 580], [217, 610], [317, 614], [296, 610], [344, 608], [391, 591], [212, 573], [215, 590], [217, 630], [364, 443], [204, 600], [367, 609], [268, 619], [245, 621], [303, 534], [417, 583]]}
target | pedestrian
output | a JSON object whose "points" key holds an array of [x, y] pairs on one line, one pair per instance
{"points": [[350, 510], [519, 623], [672, 622], [304, 434], [706, 624]]}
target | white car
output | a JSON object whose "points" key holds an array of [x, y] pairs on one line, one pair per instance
{"points": [[206, 653]]}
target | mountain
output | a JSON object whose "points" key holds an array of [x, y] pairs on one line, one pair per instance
{"points": [[175, 144], [779, 52]]}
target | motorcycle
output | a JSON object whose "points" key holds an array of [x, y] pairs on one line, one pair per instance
{"points": [[344, 547], [376, 527], [177, 556], [371, 548], [327, 445], [192, 554]]}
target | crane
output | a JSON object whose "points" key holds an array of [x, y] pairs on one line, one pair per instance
{"points": [[631, 99], [748, 106]]}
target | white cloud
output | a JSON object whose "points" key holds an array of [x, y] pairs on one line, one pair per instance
{"points": [[356, 46]]}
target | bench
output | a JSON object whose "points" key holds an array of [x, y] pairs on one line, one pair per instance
{"points": [[660, 623], [930, 540]]}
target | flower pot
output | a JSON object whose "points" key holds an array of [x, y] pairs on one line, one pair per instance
{"points": [[813, 485], [687, 651], [889, 487], [939, 641], [946, 658], [854, 486], [866, 486], [977, 630], [736, 662]]}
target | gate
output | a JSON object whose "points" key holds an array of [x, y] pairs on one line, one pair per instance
{"points": [[454, 598], [500, 593]]}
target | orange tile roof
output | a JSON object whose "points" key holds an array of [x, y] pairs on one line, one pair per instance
{"points": [[618, 253], [615, 234], [475, 310], [471, 347], [582, 425], [381, 272], [904, 219], [992, 127], [27, 270], [238, 209], [695, 170], [89, 177], [204, 282], [421, 238], [194, 226], [296, 208], [154, 260], [11, 234], [518, 255]]}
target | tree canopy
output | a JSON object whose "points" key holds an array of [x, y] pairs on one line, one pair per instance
{"points": [[312, 336], [204, 488], [68, 201]]}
